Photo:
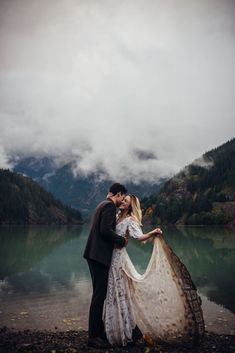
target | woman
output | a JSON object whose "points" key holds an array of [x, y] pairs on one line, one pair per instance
{"points": [[162, 303]]}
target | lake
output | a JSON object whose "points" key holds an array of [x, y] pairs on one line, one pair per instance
{"points": [[45, 282]]}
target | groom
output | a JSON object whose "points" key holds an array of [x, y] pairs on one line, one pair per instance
{"points": [[98, 253]]}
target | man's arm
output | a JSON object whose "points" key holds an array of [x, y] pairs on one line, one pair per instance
{"points": [[107, 218]]}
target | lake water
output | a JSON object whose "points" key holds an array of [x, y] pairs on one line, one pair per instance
{"points": [[45, 282]]}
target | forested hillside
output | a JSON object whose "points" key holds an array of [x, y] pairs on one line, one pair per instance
{"points": [[24, 201], [203, 193]]}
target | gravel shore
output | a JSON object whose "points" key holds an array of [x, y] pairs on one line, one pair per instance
{"points": [[29, 341]]}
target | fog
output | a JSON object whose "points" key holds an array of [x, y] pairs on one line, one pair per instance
{"points": [[130, 89]]}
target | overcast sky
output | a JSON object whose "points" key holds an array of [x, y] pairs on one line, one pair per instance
{"points": [[136, 89]]}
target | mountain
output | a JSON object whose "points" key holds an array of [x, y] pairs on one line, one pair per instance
{"points": [[82, 192], [203, 193], [24, 201]]}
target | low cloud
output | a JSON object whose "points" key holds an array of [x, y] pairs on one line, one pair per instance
{"points": [[204, 162], [131, 90], [5, 159]]}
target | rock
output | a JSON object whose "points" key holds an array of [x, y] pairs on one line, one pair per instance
{"points": [[71, 341]]}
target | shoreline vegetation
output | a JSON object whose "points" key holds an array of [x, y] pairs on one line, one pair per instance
{"points": [[24, 201], [70, 341]]}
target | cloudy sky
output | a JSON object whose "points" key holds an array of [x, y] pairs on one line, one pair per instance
{"points": [[136, 88]]}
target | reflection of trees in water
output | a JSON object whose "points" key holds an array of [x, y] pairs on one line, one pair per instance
{"points": [[41, 258], [209, 255], [66, 264], [207, 252], [22, 247]]}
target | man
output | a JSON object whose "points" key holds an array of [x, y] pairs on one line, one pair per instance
{"points": [[98, 253]]}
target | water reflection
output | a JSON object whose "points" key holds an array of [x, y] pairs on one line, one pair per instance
{"points": [[209, 254], [22, 247], [44, 276]]}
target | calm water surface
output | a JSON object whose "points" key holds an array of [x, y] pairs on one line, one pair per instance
{"points": [[45, 282]]}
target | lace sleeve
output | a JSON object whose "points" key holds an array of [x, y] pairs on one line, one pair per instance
{"points": [[134, 229]]}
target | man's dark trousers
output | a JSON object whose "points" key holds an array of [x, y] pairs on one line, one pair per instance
{"points": [[99, 276]]}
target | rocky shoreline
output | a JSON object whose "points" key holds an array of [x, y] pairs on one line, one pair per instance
{"points": [[31, 341]]}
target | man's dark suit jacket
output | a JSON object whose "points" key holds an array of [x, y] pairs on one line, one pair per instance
{"points": [[102, 237]]}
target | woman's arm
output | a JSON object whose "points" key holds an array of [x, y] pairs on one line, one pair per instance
{"points": [[150, 234], [136, 232]]}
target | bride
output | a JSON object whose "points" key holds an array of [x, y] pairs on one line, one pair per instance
{"points": [[163, 303]]}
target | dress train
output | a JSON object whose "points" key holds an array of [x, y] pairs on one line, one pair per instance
{"points": [[163, 302]]}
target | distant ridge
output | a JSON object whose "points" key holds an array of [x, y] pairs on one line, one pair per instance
{"points": [[81, 192], [203, 193], [24, 201]]}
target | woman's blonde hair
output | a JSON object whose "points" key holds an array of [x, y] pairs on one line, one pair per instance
{"points": [[135, 209]]}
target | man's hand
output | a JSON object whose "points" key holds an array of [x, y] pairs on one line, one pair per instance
{"points": [[126, 241]]}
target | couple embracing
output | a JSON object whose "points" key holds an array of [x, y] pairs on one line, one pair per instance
{"points": [[161, 304]]}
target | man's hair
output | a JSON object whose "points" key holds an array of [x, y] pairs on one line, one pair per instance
{"points": [[117, 187]]}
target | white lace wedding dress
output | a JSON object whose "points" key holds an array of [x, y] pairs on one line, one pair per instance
{"points": [[163, 302]]}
